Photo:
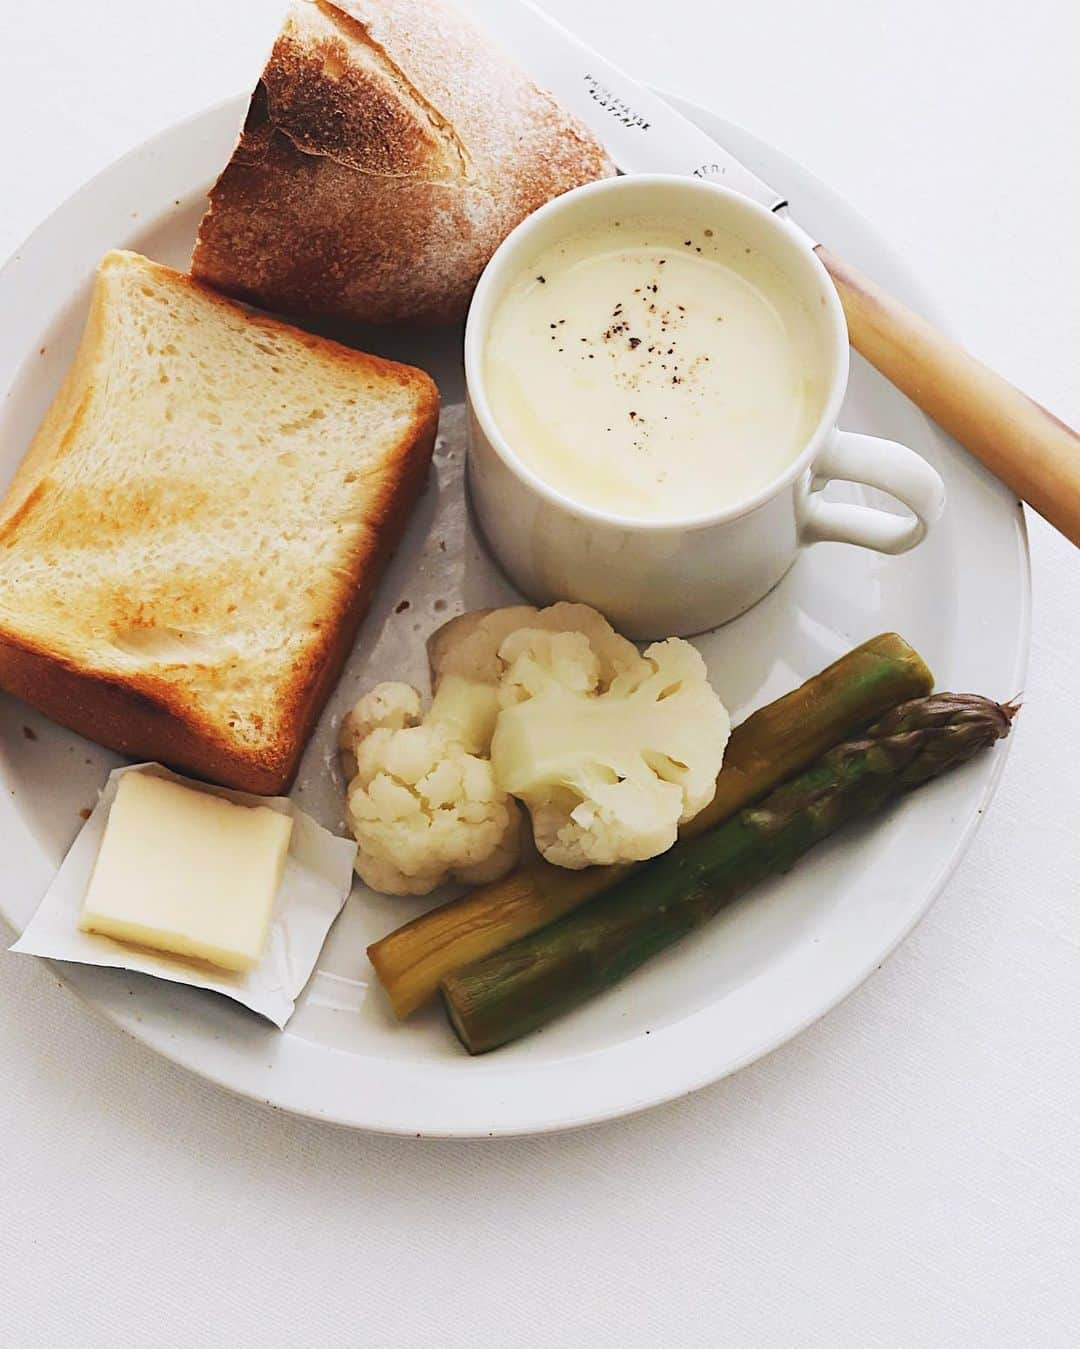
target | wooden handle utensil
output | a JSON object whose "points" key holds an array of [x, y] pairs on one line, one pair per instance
{"points": [[1026, 446]]}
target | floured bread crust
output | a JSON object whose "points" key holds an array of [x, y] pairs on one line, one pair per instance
{"points": [[389, 148]]}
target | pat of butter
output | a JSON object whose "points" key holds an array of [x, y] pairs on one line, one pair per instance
{"points": [[185, 872]]}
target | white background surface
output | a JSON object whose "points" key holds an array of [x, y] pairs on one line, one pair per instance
{"points": [[907, 1173]]}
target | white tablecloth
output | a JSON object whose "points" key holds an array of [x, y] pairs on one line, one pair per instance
{"points": [[904, 1174]]}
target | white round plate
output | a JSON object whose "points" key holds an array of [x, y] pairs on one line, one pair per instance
{"points": [[762, 971]]}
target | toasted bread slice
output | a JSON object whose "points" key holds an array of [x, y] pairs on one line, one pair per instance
{"points": [[389, 149], [188, 547]]}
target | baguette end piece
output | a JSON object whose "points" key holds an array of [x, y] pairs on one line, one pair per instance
{"points": [[389, 148]]}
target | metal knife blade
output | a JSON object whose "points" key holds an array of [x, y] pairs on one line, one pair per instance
{"points": [[642, 132]]}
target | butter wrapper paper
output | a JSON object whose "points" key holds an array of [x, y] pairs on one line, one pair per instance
{"points": [[315, 884]]}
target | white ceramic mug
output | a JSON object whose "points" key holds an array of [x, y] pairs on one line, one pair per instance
{"points": [[658, 579]]}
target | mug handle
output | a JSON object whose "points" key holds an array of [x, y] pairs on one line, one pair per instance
{"points": [[884, 464]]}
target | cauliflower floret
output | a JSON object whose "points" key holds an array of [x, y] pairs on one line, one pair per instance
{"points": [[471, 645], [423, 809], [536, 660], [609, 768], [387, 705], [610, 750]]}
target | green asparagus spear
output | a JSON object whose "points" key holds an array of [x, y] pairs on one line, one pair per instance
{"points": [[777, 741], [527, 984]]}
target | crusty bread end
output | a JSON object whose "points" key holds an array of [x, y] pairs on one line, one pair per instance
{"points": [[389, 148]]}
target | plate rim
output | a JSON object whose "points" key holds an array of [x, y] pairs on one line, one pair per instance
{"points": [[192, 1055]]}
